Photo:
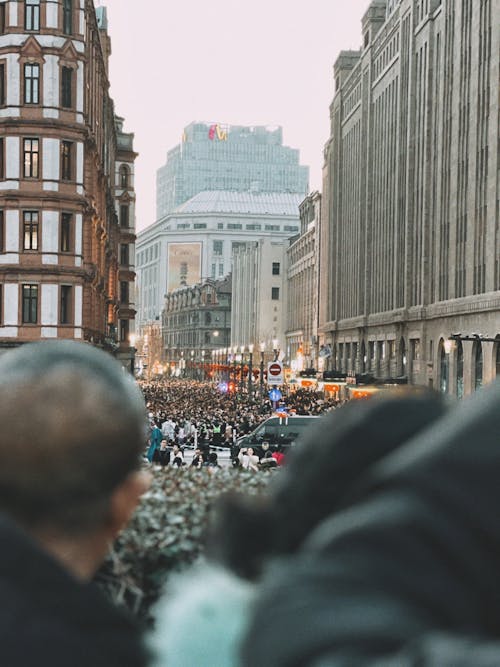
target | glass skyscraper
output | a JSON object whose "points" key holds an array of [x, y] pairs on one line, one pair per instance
{"points": [[220, 157]]}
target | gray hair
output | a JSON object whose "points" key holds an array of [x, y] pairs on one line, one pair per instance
{"points": [[72, 428]]}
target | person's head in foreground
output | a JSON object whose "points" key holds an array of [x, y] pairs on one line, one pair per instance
{"points": [[70, 444]]}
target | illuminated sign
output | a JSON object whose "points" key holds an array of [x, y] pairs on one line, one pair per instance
{"points": [[217, 131]]}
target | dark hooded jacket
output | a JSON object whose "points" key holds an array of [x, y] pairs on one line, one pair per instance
{"points": [[50, 619], [407, 572]]}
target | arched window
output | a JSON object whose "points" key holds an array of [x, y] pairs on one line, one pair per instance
{"points": [[478, 365], [460, 369], [124, 176], [444, 368]]}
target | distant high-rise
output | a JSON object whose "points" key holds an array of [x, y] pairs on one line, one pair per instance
{"points": [[220, 157]]}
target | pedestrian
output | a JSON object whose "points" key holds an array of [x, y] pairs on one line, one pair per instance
{"points": [[177, 456], [163, 454], [154, 443], [248, 460], [69, 481]]}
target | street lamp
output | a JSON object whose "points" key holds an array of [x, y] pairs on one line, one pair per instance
{"points": [[242, 350], [276, 348], [250, 359], [235, 352], [262, 347]]}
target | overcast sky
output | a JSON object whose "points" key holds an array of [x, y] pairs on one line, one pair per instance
{"points": [[240, 62]]}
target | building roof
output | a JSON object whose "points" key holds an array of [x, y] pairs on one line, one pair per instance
{"points": [[256, 203]]}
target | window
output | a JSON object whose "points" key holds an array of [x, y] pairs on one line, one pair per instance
{"points": [[30, 235], [68, 17], [220, 225], [65, 305], [272, 228], [65, 235], [124, 174], [66, 160], [275, 293], [124, 215], [232, 225], [66, 87], [2, 164], [290, 228], [213, 270], [2, 18], [254, 227], [2, 249], [32, 14], [124, 292], [221, 269], [31, 83], [1, 304], [199, 225], [31, 160], [276, 268], [2, 81], [124, 329], [217, 247], [30, 304], [124, 254]]}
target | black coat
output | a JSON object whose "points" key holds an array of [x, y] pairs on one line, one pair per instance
{"points": [[50, 619], [408, 574]]}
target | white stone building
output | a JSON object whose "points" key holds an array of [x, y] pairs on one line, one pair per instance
{"points": [[259, 296], [197, 241]]}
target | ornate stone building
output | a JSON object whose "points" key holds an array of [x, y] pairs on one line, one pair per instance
{"points": [[410, 245], [196, 322], [302, 288], [66, 171]]}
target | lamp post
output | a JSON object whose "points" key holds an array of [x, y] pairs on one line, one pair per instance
{"points": [[192, 364], [235, 352], [276, 349], [250, 359], [242, 380], [262, 347], [203, 374]]}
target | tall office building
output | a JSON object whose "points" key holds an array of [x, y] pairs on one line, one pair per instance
{"points": [[217, 157], [410, 240], [66, 170]]}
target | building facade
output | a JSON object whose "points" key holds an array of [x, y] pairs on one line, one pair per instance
{"points": [[59, 232], [197, 241], [303, 288], [216, 157], [196, 322], [410, 245], [259, 296]]}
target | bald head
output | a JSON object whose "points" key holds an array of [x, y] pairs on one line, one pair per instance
{"points": [[72, 429]]}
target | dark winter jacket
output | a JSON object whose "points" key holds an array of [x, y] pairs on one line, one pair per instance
{"points": [[406, 575], [50, 619]]}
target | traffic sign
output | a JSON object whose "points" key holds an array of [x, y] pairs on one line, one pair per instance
{"points": [[275, 373], [275, 395]]}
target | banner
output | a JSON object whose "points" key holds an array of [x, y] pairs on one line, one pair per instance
{"points": [[184, 265]]}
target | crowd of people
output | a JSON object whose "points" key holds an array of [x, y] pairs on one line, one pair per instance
{"points": [[378, 545], [198, 415]]}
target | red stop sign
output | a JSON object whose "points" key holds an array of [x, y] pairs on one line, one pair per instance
{"points": [[275, 369]]}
